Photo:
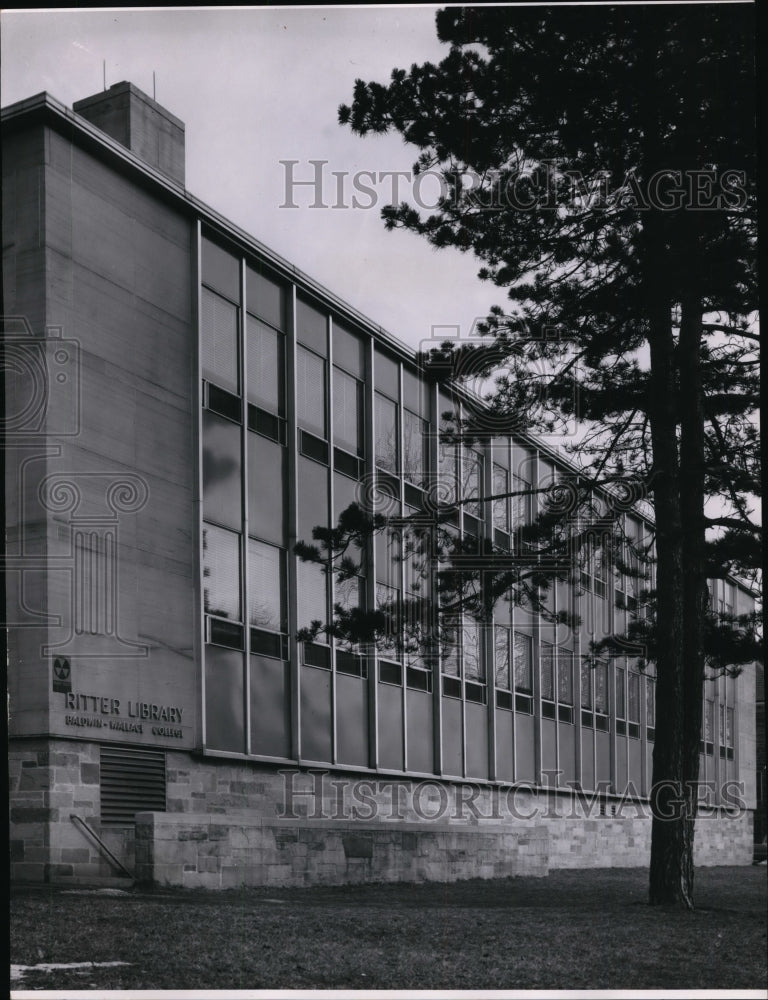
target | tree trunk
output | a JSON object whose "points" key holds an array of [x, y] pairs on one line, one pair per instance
{"points": [[668, 881], [695, 583]]}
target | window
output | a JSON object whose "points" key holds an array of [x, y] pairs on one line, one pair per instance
{"points": [[548, 672], [556, 671], [472, 481], [311, 586], [514, 675], [349, 594], [266, 587], [565, 685], [222, 470], [599, 571], [522, 505], [501, 503], [415, 448], [389, 603], [348, 351], [461, 656], [219, 341], [265, 298], [449, 653], [523, 662], [312, 327], [726, 732], [386, 375], [587, 718], [310, 391], [633, 703], [387, 451], [221, 572], [474, 668], [650, 708], [601, 696], [265, 366], [502, 658], [586, 684], [447, 470], [621, 696], [220, 269], [708, 742], [267, 615], [347, 412]]}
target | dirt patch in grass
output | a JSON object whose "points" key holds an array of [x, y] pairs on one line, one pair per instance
{"points": [[572, 930]]}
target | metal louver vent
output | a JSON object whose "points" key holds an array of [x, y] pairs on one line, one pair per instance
{"points": [[131, 781]]}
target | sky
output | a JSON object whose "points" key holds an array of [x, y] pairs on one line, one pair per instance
{"points": [[257, 86]]}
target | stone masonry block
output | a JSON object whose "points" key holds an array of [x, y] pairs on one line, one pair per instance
{"points": [[89, 774]]}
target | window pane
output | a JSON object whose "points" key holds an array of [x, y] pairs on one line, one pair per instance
{"points": [[472, 482], [266, 586], [221, 470], [415, 442], [221, 572], [416, 569], [601, 688], [415, 393], [620, 693], [349, 593], [388, 601], [447, 458], [565, 677], [220, 270], [634, 697], [347, 412], [312, 498], [501, 657], [521, 504], [547, 672], [348, 350], [523, 663], [500, 507], [312, 327], [265, 298], [709, 721], [586, 684], [386, 434], [265, 365], [266, 485], [650, 702], [599, 561], [219, 341], [729, 727], [310, 391], [474, 667], [311, 583], [387, 375], [387, 546], [449, 650]]}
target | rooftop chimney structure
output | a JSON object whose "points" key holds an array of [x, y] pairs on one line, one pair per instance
{"points": [[140, 124]]}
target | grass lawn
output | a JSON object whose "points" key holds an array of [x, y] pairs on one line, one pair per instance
{"points": [[585, 929]]}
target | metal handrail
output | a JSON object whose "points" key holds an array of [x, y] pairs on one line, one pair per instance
{"points": [[79, 821]]}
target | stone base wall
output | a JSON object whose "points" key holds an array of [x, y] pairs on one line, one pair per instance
{"points": [[223, 814], [222, 852], [626, 842]]}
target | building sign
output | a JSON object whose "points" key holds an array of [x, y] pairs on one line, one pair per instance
{"points": [[144, 718]]}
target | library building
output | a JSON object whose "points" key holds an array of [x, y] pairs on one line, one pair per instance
{"points": [[183, 406]]}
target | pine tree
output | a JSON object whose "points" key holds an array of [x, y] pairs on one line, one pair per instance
{"points": [[599, 162]]}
